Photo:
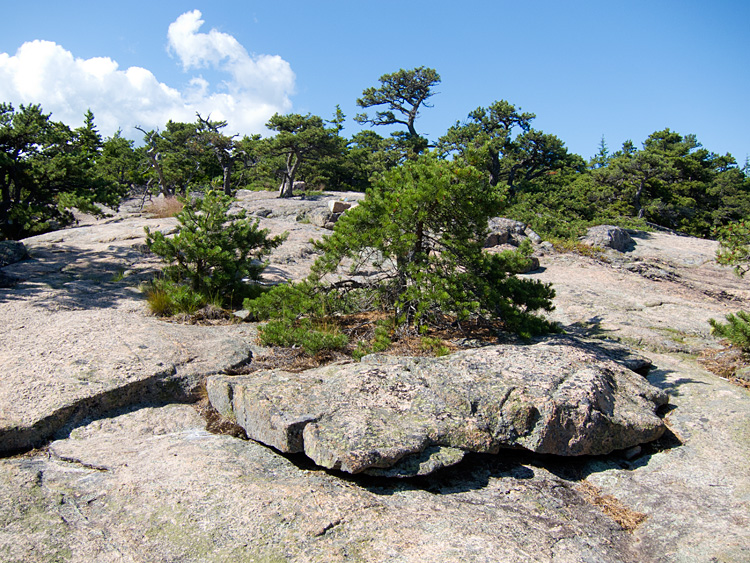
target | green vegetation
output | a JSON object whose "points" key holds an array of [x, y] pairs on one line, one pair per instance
{"points": [[211, 257], [736, 330], [46, 169], [411, 254], [421, 228], [299, 138], [402, 93], [734, 246], [734, 250], [166, 298]]}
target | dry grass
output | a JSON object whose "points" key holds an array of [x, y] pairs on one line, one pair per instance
{"points": [[626, 518], [577, 247], [162, 208], [361, 326], [217, 424], [725, 362], [289, 359]]}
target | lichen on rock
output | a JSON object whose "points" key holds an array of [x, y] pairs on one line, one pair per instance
{"points": [[408, 416]]}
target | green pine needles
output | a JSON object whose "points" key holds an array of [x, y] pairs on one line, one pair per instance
{"points": [[211, 258], [736, 330], [734, 250], [414, 249], [734, 246]]}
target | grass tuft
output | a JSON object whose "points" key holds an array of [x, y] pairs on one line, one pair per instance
{"points": [[162, 208]]}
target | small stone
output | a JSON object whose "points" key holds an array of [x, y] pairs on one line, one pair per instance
{"points": [[547, 246], [336, 206], [242, 314]]}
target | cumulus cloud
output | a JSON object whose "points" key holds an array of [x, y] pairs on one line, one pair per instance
{"points": [[254, 88]]}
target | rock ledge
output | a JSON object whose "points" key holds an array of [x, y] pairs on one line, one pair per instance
{"points": [[410, 416]]}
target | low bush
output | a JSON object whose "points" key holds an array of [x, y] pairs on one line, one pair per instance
{"points": [[213, 253], [736, 329], [734, 246], [422, 228], [167, 298], [381, 341], [312, 337]]}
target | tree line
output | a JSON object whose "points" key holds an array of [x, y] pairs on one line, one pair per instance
{"points": [[47, 168]]}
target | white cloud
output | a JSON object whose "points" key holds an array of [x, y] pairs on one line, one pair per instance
{"points": [[254, 89]]}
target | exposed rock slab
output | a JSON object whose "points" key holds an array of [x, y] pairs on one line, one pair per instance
{"points": [[554, 397], [696, 493], [76, 339], [153, 486], [657, 297]]}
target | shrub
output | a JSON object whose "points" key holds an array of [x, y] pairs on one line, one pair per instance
{"points": [[734, 247], [736, 329], [166, 298], [422, 228], [434, 345], [311, 337], [423, 225], [213, 253], [381, 341]]}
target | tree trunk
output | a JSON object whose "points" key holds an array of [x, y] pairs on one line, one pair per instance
{"points": [[227, 180], [163, 188], [637, 199], [4, 206], [287, 185], [494, 168]]}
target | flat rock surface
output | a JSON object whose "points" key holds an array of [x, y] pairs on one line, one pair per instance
{"points": [[553, 397], [170, 491], [76, 338], [148, 483], [657, 297]]}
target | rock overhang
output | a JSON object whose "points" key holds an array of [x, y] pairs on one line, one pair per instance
{"points": [[403, 416]]}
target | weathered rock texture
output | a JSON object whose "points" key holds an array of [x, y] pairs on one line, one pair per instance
{"points": [[153, 486], [11, 251], [76, 340], [149, 484], [554, 397], [608, 236], [505, 231]]}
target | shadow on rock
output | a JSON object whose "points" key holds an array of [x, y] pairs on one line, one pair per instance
{"points": [[477, 470], [75, 278], [661, 379]]}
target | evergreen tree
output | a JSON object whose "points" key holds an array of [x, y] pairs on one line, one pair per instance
{"points": [[422, 227], [45, 170]]}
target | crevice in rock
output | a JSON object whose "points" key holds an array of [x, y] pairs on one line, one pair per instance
{"points": [[78, 462], [164, 387]]}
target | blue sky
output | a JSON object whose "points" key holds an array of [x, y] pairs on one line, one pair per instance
{"points": [[587, 69]]}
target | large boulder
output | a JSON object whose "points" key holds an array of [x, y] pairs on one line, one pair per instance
{"points": [[504, 231], [12, 251], [409, 416], [608, 236], [321, 217]]}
